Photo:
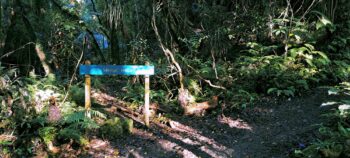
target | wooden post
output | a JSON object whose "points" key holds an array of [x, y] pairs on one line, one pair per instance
{"points": [[147, 92], [88, 92]]}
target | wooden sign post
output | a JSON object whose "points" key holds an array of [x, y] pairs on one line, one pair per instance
{"points": [[88, 70], [87, 92], [146, 108]]}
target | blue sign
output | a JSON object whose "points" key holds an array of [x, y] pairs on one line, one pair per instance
{"points": [[116, 70]]}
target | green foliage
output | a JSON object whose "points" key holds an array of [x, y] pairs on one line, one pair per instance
{"points": [[292, 31], [134, 93], [116, 128], [258, 49], [335, 135], [276, 75], [242, 99], [194, 87], [323, 22], [128, 125], [68, 133], [78, 119], [339, 50], [22, 117], [201, 67], [249, 47], [194, 42], [309, 55], [48, 134], [77, 94]]}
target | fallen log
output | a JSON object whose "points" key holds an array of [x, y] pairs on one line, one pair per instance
{"points": [[199, 109]]}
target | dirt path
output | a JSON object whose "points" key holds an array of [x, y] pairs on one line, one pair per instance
{"points": [[269, 129]]}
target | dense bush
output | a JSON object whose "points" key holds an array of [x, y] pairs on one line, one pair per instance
{"points": [[25, 115]]}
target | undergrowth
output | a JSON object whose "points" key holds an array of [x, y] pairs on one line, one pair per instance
{"points": [[334, 140], [26, 105]]}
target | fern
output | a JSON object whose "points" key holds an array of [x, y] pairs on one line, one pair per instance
{"points": [[74, 117], [48, 134], [87, 123], [76, 135], [78, 120], [98, 114]]}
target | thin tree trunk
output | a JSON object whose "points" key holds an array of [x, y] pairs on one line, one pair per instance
{"points": [[114, 46], [184, 96], [271, 16], [167, 52], [9, 33], [1, 23]]}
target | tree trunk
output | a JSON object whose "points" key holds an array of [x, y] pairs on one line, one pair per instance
{"points": [[42, 57], [38, 46], [114, 46], [7, 45], [1, 23]]}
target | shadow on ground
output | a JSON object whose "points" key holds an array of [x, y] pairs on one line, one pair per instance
{"points": [[272, 128]]}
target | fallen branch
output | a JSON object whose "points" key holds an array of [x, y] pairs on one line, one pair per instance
{"points": [[212, 85], [124, 115], [205, 80], [7, 138], [124, 109]]}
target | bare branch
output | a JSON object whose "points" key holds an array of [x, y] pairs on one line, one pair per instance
{"points": [[166, 51], [11, 52]]}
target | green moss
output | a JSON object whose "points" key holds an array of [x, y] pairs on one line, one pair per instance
{"points": [[128, 125], [116, 128]]}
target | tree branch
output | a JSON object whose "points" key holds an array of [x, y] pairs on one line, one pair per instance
{"points": [[166, 51], [11, 52]]}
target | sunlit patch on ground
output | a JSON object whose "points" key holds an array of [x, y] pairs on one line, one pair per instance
{"points": [[235, 123], [191, 136], [98, 148], [179, 139], [163, 143], [171, 146], [257, 131]]}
